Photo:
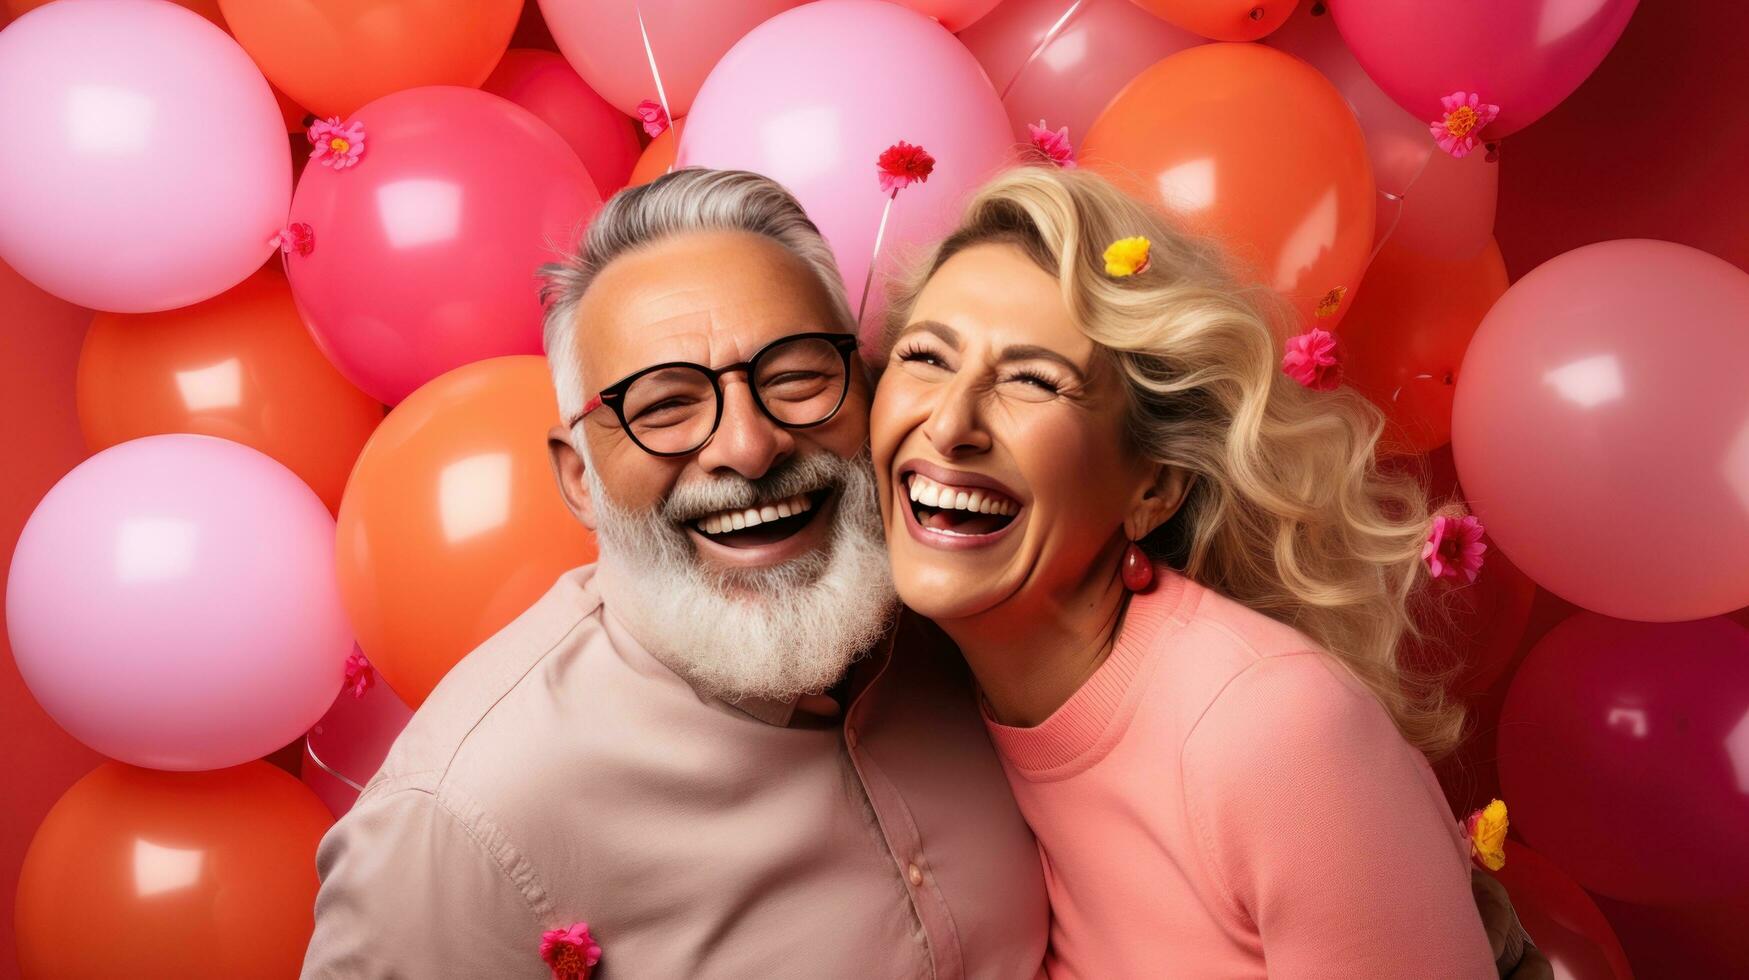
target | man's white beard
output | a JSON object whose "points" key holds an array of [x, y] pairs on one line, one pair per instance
{"points": [[774, 632]]}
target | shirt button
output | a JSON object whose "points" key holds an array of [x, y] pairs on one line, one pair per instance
{"points": [[915, 874]]}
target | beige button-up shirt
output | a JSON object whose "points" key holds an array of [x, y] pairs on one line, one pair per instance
{"points": [[561, 773]]}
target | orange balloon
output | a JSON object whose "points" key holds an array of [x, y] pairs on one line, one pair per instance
{"points": [[657, 158], [1223, 20], [333, 56], [452, 524], [1254, 147], [240, 366], [1404, 339], [143, 873]]}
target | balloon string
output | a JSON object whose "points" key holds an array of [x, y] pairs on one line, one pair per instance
{"points": [[1396, 217], [868, 280], [1038, 49], [310, 750], [655, 73]]}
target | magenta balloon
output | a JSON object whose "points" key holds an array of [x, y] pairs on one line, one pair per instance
{"points": [[813, 96], [1624, 756], [172, 604], [146, 166], [955, 15], [1601, 429], [602, 41], [1523, 55], [347, 746], [1098, 50], [424, 252], [605, 139]]}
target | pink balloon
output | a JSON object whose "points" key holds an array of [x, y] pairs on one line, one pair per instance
{"points": [[424, 252], [172, 604], [1624, 756], [346, 748], [601, 136], [1523, 55], [147, 164], [813, 96], [1093, 56], [1601, 429], [602, 40], [955, 15]]}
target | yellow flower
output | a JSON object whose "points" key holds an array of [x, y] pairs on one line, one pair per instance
{"points": [[1486, 829], [1331, 302], [1126, 257]]}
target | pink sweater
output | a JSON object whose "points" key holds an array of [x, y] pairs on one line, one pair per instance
{"points": [[1221, 799]]}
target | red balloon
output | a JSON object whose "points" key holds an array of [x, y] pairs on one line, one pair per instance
{"points": [[142, 873], [955, 15], [423, 253], [1601, 427], [1071, 79], [1624, 755], [1222, 20], [346, 748], [1563, 921], [605, 139]]}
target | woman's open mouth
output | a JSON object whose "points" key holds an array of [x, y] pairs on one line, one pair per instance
{"points": [[945, 514]]}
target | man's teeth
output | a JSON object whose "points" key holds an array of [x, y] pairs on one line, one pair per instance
{"points": [[725, 521], [931, 494]]}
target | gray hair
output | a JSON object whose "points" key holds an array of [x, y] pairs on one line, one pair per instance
{"points": [[684, 201]]}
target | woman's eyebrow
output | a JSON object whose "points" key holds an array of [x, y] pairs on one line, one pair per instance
{"points": [[942, 330], [1032, 352]]}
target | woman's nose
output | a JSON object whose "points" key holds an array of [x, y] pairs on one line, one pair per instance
{"points": [[955, 426]]}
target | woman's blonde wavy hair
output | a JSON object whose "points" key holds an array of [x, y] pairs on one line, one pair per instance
{"points": [[1288, 510]]}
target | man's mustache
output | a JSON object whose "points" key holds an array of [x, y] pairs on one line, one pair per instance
{"points": [[697, 498]]}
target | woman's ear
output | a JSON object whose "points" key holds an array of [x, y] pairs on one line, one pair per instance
{"points": [[1156, 501]]}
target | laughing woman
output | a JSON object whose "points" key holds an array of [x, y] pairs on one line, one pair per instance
{"points": [[1180, 581]]}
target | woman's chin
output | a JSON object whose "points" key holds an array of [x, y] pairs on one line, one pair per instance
{"points": [[944, 597]]}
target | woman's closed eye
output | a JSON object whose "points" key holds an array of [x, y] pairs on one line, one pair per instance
{"points": [[1037, 380]]}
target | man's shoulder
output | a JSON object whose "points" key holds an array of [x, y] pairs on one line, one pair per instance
{"points": [[486, 682]]}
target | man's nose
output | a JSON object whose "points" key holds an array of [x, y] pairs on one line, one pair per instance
{"points": [[955, 426], [747, 441]]}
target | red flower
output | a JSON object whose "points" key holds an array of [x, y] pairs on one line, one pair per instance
{"points": [[1311, 360], [360, 675], [570, 952], [294, 238], [903, 164], [653, 116]]}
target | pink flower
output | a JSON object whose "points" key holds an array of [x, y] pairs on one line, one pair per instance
{"points": [[1054, 145], [1454, 547], [654, 117], [1465, 115], [903, 164], [297, 237], [360, 675], [335, 145], [570, 952], [1311, 360]]}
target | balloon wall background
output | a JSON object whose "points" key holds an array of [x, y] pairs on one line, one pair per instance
{"points": [[293, 466]]}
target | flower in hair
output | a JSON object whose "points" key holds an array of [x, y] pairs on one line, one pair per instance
{"points": [[903, 164], [1486, 829], [653, 116], [360, 675], [336, 145], [1454, 547], [1465, 115], [1054, 145], [1127, 257], [1311, 360], [296, 237], [570, 952]]}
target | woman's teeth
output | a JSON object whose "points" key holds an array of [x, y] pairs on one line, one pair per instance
{"points": [[725, 521], [931, 494]]}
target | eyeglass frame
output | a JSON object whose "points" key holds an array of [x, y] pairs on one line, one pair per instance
{"points": [[613, 395]]}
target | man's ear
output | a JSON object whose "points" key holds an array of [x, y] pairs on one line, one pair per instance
{"points": [[1156, 501], [568, 469]]}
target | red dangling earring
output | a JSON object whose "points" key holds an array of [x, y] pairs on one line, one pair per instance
{"points": [[1138, 571]]}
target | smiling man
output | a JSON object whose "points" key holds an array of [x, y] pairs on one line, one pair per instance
{"points": [[711, 748]]}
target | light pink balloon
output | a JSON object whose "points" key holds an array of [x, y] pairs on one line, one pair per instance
{"points": [[955, 15], [172, 604], [1439, 206], [813, 96], [1523, 55], [346, 748], [424, 252], [146, 164], [1601, 429], [604, 138], [601, 39], [1098, 50]]}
